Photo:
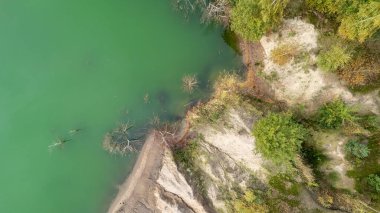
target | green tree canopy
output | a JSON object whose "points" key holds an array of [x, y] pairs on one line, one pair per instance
{"points": [[251, 19], [279, 137]]}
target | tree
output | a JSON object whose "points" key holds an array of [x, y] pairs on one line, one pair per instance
{"points": [[363, 24], [279, 137], [357, 149], [251, 19], [334, 58], [374, 182], [334, 114]]}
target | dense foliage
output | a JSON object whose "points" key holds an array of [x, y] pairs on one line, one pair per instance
{"points": [[279, 137], [362, 24], [358, 19], [334, 114], [333, 58], [362, 71], [374, 182], [357, 149], [251, 19], [248, 204]]}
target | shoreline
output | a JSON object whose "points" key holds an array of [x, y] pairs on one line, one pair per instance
{"points": [[140, 180]]}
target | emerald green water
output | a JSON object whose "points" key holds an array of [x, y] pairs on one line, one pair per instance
{"points": [[88, 64]]}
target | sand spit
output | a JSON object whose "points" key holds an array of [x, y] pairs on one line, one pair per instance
{"points": [[133, 193]]}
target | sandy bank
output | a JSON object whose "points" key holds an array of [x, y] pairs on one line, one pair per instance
{"points": [[133, 193]]}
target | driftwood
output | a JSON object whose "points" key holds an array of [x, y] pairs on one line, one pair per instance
{"points": [[213, 10], [58, 144], [120, 141]]}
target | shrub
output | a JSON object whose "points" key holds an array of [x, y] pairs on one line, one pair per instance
{"points": [[252, 19], [357, 149], [363, 24], [334, 114], [279, 137], [248, 204], [187, 155], [374, 182], [246, 21], [334, 58], [362, 71], [284, 53], [333, 177], [284, 184]]}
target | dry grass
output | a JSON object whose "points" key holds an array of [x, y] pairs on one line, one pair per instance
{"points": [[284, 53], [305, 171], [362, 71]]}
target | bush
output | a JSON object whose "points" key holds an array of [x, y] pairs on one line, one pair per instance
{"points": [[279, 137], [284, 53], [246, 21], [333, 177], [334, 114], [187, 155], [334, 58], [363, 71], [248, 204], [374, 182], [252, 19], [357, 149]]}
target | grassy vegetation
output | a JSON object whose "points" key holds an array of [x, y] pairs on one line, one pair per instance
{"points": [[284, 184], [186, 158], [363, 169], [249, 203]]}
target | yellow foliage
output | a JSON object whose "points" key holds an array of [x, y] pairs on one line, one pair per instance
{"points": [[361, 71], [326, 200], [246, 204], [284, 53]]}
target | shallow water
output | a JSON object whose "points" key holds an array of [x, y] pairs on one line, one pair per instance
{"points": [[88, 64]]}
